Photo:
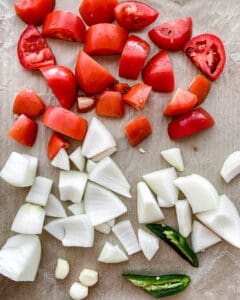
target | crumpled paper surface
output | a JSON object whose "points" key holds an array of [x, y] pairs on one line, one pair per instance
{"points": [[218, 276]]}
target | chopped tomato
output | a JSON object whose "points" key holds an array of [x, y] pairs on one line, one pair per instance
{"points": [[135, 15], [97, 11], [138, 95], [133, 57], [66, 122], [172, 35], [105, 39], [181, 102], [137, 130], [110, 104], [34, 11], [200, 86], [158, 73], [207, 52], [62, 82], [190, 123], [121, 87], [85, 104], [91, 76], [55, 143], [27, 102], [24, 131], [33, 51]]}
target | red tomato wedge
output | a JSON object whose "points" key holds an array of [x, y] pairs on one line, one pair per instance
{"points": [[138, 130], [55, 143], [24, 131], [121, 87], [134, 15], [64, 25], [190, 123], [97, 11], [110, 104], [62, 82], [91, 76], [158, 73], [172, 35], [138, 95], [34, 11], [33, 51], [66, 122], [133, 57], [27, 102], [200, 86], [85, 104], [208, 54], [181, 102]]}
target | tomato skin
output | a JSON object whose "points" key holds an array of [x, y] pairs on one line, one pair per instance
{"points": [[97, 11], [24, 131], [172, 35], [27, 102], [91, 76], [55, 143], [121, 87], [62, 82], [110, 104], [64, 25], [33, 51], [190, 123], [133, 57], [200, 86], [138, 95], [134, 15], [208, 54], [66, 122], [158, 73], [34, 11]]}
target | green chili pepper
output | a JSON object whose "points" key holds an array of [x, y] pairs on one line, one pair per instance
{"points": [[160, 286], [176, 241]]}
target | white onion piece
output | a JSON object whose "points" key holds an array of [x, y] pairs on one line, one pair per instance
{"points": [[98, 140], [148, 243], [147, 208], [56, 229], [174, 157], [29, 219], [200, 193], [40, 191], [202, 238], [111, 223], [161, 183], [78, 159], [61, 160], [88, 277], [90, 165], [103, 228], [62, 268], [184, 217], [103, 154], [102, 205], [32, 168], [108, 174], [78, 291], [71, 185], [20, 257], [231, 167], [224, 221], [77, 208], [54, 208], [164, 203], [126, 235], [111, 254]]}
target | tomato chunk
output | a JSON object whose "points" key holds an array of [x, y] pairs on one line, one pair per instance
{"points": [[138, 130], [55, 143], [133, 57], [33, 51], [121, 87], [135, 15], [208, 54], [66, 122], [110, 104], [200, 86], [158, 73], [138, 95], [190, 123], [172, 35], [62, 82], [24, 131]]}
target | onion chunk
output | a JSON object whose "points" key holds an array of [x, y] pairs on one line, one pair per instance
{"points": [[111, 254], [184, 217], [148, 243], [231, 167], [54, 208], [174, 157]]}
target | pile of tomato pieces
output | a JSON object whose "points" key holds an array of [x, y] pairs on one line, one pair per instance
{"points": [[99, 87]]}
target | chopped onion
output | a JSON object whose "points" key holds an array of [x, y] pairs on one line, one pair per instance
{"points": [[78, 291], [32, 168], [88, 277], [54, 208], [90, 165], [126, 235], [105, 153], [103, 228], [148, 243], [147, 208], [77, 208], [108, 174], [78, 159], [102, 205], [111, 254], [56, 229], [231, 166], [184, 217], [174, 157], [62, 268], [61, 160], [111, 223], [20, 257], [200, 193]]}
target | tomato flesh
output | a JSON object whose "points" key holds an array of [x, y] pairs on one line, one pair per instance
{"points": [[138, 95], [200, 86], [121, 87], [55, 143], [110, 104]]}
